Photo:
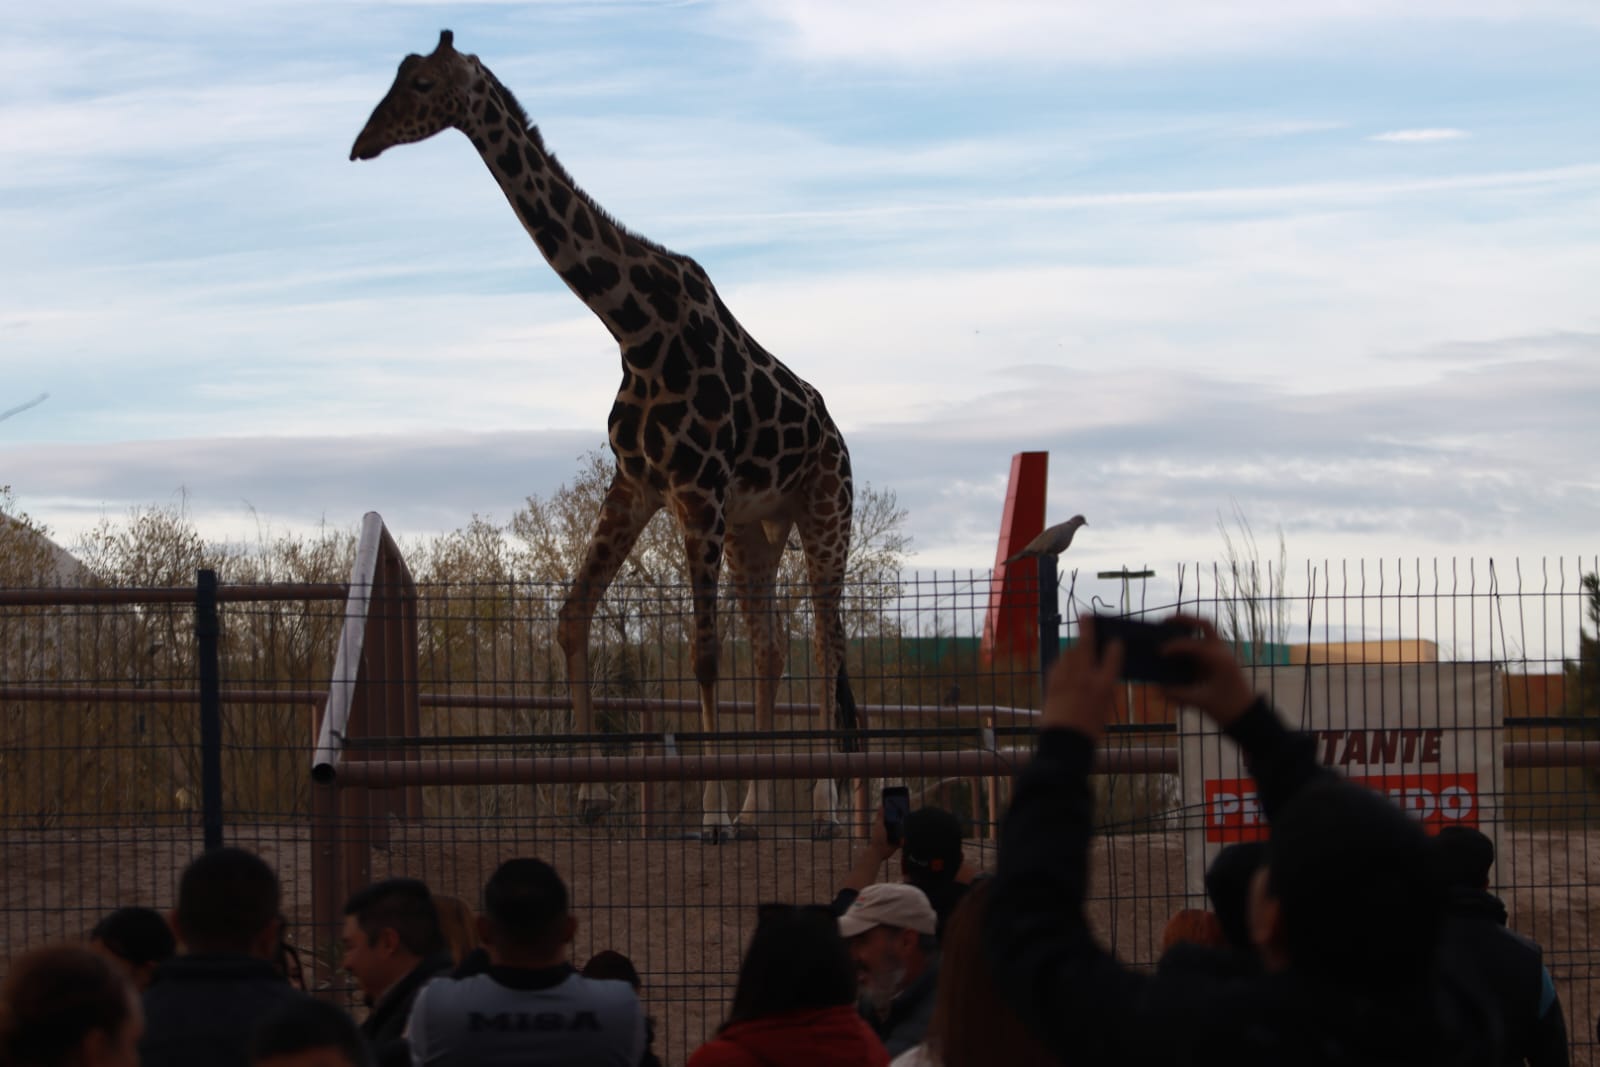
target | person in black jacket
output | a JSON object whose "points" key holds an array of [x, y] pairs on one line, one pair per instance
{"points": [[203, 1005], [1344, 914], [392, 945], [1508, 967]]}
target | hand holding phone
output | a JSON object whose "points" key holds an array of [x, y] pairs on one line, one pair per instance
{"points": [[1143, 659], [896, 806]]}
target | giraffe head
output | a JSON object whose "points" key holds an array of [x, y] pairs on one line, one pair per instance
{"points": [[429, 94]]}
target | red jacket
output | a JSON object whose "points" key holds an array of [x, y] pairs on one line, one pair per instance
{"points": [[837, 1036]]}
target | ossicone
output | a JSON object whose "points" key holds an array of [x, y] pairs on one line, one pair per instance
{"points": [[447, 41]]}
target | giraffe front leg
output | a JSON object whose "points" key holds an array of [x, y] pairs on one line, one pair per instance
{"points": [[623, 515]]}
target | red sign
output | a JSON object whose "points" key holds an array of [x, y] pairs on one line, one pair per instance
{"points": [[1233, 813]]}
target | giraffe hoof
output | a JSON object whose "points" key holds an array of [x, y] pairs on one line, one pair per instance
{"points": [[742, 832], [591, 812], [826, 830], [715, 835]]}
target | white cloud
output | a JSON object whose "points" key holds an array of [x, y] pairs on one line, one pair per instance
{"points": [[911, 33], [1423, 136]]}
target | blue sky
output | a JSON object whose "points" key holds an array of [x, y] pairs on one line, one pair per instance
{"points": [[1335, 261]]}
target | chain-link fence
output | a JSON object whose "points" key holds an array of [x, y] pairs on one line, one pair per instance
{"points": [[137, 725]]}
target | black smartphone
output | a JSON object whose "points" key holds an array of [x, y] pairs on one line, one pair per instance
{"points": [[1142, 660], [896, 806]]}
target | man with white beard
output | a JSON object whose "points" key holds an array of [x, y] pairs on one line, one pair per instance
{"points": [[891, 930]]}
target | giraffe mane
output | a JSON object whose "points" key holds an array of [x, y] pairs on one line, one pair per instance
{"points": [[516, 109]]}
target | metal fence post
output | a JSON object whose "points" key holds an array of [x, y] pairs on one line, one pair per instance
{"points": [[206, 630], [1049, 620]]}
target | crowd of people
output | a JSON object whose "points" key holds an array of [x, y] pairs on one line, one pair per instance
{"points": [[1347, 936]]}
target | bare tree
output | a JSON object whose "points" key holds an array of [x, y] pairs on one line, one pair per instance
{"points": [[1253, 608]]}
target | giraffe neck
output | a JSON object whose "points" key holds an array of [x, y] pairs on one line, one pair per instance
{"points": [[599, 260]]}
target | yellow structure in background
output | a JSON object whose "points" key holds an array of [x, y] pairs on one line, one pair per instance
{"points": [[1404, 650]]}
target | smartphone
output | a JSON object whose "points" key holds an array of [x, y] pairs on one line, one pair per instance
{"points": [[896, 806], [1142, 660]]}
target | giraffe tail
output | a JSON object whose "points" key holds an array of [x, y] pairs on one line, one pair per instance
{"points": [[846, 716]]}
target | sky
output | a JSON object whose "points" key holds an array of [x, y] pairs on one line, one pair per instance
{"points": [[1334, 263]]}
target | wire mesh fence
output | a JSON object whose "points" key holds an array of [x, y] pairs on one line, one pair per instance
{"points": [[456, 748]]}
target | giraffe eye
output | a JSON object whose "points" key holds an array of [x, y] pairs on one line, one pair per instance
{"points": [[422, 85]]}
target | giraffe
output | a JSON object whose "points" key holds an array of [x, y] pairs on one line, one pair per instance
{"points": [[706, 424]]}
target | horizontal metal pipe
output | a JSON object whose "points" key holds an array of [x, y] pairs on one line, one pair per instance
{"points": [[382, 774], [1551, 753], [75, 694], [48, 596]]}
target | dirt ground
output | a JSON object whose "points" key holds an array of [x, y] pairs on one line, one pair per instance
{"points": [[682, 910]]}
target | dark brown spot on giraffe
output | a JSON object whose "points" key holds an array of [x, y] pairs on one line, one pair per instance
{"points": [[684, 466], [496, 136], [700, 333], [694, 282], [765, 396], [676, 374], [548, 234], [642, 356], [509, 161], [629, 316], [492, 113], [534, 158], [711, 400], [582, 226], [560, 198], [794, 438], [767, 441], [659, 288], [608, 237], [590, 279]]}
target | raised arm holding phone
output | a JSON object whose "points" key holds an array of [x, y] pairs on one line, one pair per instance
{"points": [[1344, 914]]}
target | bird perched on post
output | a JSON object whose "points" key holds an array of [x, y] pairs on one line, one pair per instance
{"points": [[1051, 542]]}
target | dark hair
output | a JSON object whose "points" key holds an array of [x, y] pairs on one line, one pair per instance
{"points": [[796, 960], [612, 965], [932, 849], [225, 898], [137, 935], [307, 1023], [1464, 856], [1228, 888], [526, 902], [1355, 878], [55, 997], [972, 1024], [404, 905]]}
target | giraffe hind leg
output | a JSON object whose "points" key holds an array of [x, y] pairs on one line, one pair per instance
{"points": [[754, 553]]}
